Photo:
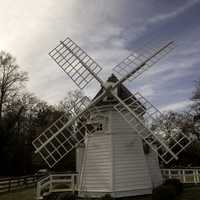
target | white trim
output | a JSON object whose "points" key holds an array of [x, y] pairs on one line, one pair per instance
{"points": [[184, 175]]}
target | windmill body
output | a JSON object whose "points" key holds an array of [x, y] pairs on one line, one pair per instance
{"points": [[112, 160], [109, 132]]}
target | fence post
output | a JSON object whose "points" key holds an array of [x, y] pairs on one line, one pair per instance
{"points": [[25, 182], [184, 180], [9, 184], [38, 190], [194, 176], [51, 183], [179, 174], [18, 183], [170, 176], [72, 179], [197, 175]]}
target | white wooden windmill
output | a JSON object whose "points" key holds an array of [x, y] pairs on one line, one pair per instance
{"points": [[113, 127]]}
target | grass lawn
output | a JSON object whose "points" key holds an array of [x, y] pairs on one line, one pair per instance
{"points": [[27, 194], [190, 193]]}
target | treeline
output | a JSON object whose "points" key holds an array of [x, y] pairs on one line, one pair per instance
{"points": [[187, 121], [23, 117]]}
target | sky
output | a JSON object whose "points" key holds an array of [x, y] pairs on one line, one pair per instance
{"points": [[108, 31]]}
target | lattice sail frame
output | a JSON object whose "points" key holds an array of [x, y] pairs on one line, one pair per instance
{"points": [[60, 138], [141, 115], [75, 62], [141, 57]]}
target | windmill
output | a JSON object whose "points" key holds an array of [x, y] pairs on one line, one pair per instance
{"points": [[113, 126]]}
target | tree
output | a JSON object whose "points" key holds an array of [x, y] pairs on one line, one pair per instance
{"points": [[170, 125], [196, 93], [11, 80], [23, 117], [70, 100], [14, 135], [195, 107]]}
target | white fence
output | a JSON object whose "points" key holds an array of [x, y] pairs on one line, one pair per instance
{"points": [[68, 182], [184, 175], [56, 183], [16, 183]]}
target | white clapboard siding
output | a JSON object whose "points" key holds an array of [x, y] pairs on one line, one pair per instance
{"points": [[114, 161], [130, 170], [96, 170], [154, 169]]}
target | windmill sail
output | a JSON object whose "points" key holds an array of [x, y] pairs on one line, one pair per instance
{"points": [[140, 116], [61, 137], [146, 57], [80, 67], [64, 142]]}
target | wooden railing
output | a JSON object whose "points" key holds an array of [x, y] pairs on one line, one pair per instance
{"points": [[16, 183], [184, 175], [68, 182], [56, 183]]}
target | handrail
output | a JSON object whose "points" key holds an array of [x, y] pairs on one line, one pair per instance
{"points": [[56, 183], [67, 182], [187, 175]]}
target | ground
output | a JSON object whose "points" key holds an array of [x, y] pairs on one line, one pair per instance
{"points": [[190, 193], [28, 194]]}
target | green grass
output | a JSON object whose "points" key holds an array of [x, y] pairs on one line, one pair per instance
{"points": [[27, 194], [190, 193]]}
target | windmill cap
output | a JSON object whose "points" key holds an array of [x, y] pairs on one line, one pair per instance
{"points": [[112, 78]]}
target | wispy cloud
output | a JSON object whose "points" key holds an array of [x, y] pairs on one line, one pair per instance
{"points": [[147, 90], [30, 29], [174, 13], [178, 106]]}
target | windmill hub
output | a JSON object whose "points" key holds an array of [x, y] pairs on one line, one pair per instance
{"points": [[108, 87]]}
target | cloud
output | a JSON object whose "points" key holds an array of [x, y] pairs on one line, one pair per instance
{"points": [[174, 13], [146, 90], [178, 106], [29, 30], [181, 63]]}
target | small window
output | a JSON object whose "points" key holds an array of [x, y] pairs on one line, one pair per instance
{"points": [[100, 123], [99, 127]]}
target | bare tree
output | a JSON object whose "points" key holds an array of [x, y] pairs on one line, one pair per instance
{"points": [[70, 100], [11, 79], [196, 93]]}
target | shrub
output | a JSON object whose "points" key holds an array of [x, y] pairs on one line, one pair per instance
{"points": [[164, 192], [106, 197], [176, 183]]}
